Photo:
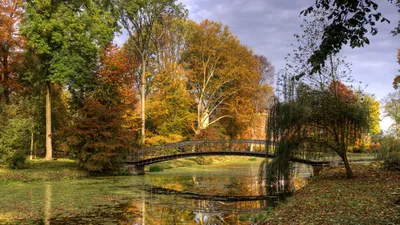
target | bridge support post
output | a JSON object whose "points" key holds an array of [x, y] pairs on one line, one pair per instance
{"points": [[316, 169], [136, 170]]}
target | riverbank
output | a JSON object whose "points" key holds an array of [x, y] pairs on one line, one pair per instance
{"points": [[41, 170], [372, 197]]}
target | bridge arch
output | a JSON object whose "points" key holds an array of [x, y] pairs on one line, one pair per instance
{"points": [[138, 159]]}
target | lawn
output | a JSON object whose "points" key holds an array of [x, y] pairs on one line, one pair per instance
{"points": [[41, 170]]}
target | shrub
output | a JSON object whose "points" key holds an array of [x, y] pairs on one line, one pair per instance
{"points": [[392, 164], [14, 135], [155, 168], [16, 160]]}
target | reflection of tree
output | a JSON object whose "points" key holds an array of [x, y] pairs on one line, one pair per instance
{"points": [[158, 215], [47, 203]]}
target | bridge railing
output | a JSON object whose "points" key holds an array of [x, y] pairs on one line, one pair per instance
{"points": [[197, 146]]}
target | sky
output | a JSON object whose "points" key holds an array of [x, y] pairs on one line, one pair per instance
{"points": [[268, 26]]}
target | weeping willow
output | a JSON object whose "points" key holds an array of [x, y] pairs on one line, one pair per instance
{"points": [[310, 124]]}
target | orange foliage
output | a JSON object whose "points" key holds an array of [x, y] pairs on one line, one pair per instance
{"points": [[397, 78], [341, 91], [11, 45], [106, 127]]}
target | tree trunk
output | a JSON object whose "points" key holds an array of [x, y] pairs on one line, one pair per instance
{"points": [[49, 147], [31, 152], [349, 172], [142, 96], [4, 79]]}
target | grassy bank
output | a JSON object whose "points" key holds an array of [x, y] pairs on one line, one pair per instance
{"points": [[196, 161], [372, 197], [41, 170]]}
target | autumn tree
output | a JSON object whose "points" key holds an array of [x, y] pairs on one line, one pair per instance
{"points": [[170, 111], [140, 19], [397, 78], [312, 122], [373, 107], [11, 46], [104, 129], [248, 107], [65, 38], [216, 62]]}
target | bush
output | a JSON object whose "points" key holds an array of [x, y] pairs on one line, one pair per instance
{"points": [[16, 160], [392, 164], [155, 168], [253, 159], [14, 135], [390, 148]]}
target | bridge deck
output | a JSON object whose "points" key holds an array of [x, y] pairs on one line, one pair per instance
{"points": [[220, 153]]}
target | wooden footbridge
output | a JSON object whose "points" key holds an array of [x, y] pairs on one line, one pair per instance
{"points": [[137, 159]]}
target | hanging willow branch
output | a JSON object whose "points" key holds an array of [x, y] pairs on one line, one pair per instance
{"points": [[308, 123]]}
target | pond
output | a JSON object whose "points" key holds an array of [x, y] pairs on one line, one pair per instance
{"points": [[212, 194]]}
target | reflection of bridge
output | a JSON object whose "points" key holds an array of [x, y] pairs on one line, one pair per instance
{"points": [[136, 160], [211, 204]]}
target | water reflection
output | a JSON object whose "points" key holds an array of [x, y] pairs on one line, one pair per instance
{"points": [[205, 195], [47, 203]]}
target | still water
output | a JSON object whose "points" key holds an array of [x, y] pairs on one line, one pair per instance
{"points": [[213, 194]]}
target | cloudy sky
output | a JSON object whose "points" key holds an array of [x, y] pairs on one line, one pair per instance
{"points": [[268, 26]]}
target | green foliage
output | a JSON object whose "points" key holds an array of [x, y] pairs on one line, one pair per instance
{"points": [[43, 170], [392, 109], [350, 21], [65, 37], [390, 152], [103, 130], [155, 168], [15, 133], [16, 160], [310, 122]]}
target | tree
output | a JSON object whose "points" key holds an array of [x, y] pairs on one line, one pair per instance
{"points": [[248, 107], [140, 18], [102, 130], [306, 44], [216, 62], [11, 46], [313, 121], [392, 109], [265, 69], [373, 107], [170, 111], [349, 22], [15, 124], [65, 38], [397, 78]]}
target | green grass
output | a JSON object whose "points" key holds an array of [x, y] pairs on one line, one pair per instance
{"points": [[155, 168], [41, 170]]}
